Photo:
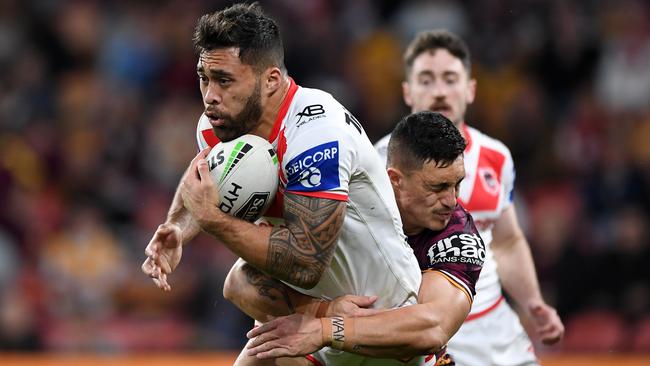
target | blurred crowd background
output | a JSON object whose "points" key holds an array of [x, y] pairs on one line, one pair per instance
{"points": [[98, 108]]}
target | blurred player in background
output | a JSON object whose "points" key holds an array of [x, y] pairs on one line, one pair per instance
{"points": [[337, 228], [425, 165], [438, 78]]}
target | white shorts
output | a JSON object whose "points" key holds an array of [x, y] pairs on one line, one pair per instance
{"points": [[332, 357], [495, 337]]}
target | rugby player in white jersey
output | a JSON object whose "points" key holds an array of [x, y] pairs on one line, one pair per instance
{"points": [[438, 78], [425, 168], [338, 235]]}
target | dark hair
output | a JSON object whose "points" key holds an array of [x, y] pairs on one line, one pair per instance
{"points": [[422, 137], [246, 27], [429, 41]]}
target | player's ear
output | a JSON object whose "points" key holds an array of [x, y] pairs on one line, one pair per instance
{"points": [[396, 177], [471, 91], [272, 79], [406, 94]]}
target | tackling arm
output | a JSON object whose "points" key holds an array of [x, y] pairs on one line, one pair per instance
{"points": [[399, 333]]}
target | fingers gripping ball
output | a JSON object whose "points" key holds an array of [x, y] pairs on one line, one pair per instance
{"points": [[246, 172]]}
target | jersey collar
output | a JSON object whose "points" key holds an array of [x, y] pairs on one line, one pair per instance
{"points": [[467, 136], [293, 87]]}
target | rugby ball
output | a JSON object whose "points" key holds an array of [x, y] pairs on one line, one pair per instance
{"points": [[205, 137], [246, 173]]}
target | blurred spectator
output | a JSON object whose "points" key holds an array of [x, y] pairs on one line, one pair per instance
{"points": [[83, 265], [623, 81], [413, 16]]}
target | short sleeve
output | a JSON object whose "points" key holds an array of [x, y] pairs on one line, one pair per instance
{"points": [[321, 154], [457, 252]]}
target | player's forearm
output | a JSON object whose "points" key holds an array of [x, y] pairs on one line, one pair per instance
{"points": [[400, 333], [178, 215], [517, 270], [272, 250], [514, 260], [244, 239], [297, 253], [412, 330]]}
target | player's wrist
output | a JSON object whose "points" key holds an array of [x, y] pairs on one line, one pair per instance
{"points": [[535, 301], [172, 223], [326, 329], [323, 309], [212, 219], [338, 332], [318, 308]]}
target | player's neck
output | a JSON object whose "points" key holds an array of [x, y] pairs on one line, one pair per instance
{"points": [[270, 113], [410, 230], [461, 127]]}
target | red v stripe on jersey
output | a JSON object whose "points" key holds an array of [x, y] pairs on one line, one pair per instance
{"points": [[280, 151], [276, 208], [282, 141], [293, 88]]}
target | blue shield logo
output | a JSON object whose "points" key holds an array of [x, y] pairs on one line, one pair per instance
{"points": [[316, 169]]}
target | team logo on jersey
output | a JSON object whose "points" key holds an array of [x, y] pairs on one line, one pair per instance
{"points": [[316, 169], [310, 113], [489, 179], [458, 247], [310, 178]]}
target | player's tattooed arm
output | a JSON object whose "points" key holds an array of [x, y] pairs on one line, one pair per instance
{"points": [[260, 296], [274, 291], [296, 253], [300, 252]]}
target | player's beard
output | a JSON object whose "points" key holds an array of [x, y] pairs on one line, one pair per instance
{"points": [[244, 122]]}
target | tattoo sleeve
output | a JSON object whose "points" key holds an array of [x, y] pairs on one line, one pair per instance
{"points": [[300, 252]]}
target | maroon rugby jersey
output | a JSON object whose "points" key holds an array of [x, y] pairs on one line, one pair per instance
{"points": [[457, 251]]}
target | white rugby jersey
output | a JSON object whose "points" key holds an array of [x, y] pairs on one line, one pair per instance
{"points": [[485, 192], [324, 152]]}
